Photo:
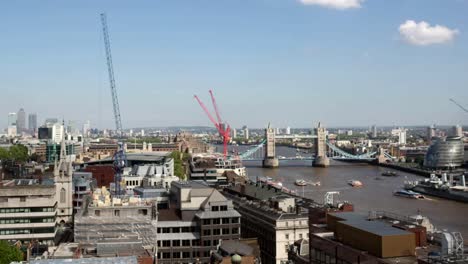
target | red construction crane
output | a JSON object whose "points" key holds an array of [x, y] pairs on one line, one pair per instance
{"points": [[223, 129]]}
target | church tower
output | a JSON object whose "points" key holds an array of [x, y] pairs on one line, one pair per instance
{"points": [[63, 172]]}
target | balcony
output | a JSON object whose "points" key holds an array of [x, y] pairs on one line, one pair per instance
{"points": [[27, 225], [27, 215]]}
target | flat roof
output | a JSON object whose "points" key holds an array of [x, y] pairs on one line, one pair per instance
{"points": [[143, 157]]}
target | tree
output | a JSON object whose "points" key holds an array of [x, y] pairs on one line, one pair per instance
{"points": [[9, 253], [179, 169], [19, 153]]}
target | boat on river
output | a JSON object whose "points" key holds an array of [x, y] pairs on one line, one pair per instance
{"points": [[300, 182], [355, 183], [408, 194]]}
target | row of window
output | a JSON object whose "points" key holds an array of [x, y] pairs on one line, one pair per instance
{"points": [[178, 243], [215, 208], [27, 210], [321, 257], [27, 231], [27, 220], [219, 221], [169, 230], [5, 199], [217, 232], [185, 255], [132, 183], [300, 236]]}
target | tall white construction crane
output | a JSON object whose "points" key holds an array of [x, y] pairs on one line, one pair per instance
{"points": [[110, 68]]}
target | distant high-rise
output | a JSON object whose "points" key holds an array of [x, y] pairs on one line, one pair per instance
{"points": [[431, 132], [234, 132], [21, 121], [142, 133], [86, 128], [246, 132], [457, 131], [374, 131], [402, 137], [11, 119], [57, 132], [288, 131], [32, 122]]}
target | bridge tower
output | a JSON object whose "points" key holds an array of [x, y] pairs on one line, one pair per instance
{"points": [[321, 159], [270, 160]]}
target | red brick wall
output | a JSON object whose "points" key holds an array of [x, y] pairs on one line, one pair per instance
{"points": [[104, 174]]}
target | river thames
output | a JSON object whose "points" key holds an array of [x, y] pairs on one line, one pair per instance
{"points": [[376, 194]]}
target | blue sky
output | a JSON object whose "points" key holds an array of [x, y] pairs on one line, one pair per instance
{"points": [[266, 60]]}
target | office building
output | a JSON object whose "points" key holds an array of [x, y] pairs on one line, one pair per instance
{"points": [[374, 131], [12, 119], [445, 153], [30, 210], [21, 121], [32, 123], [11, 131], [402, 137], [457, 131], [234, 133], [288, 131], [83, 184], [431, 133], [246, 132], [198, 219], [58, 132], [271, 216], [156, 175]]}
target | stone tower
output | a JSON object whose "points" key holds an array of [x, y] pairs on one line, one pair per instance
{"points": [[321, 159], [270, 160], [63, 172]]}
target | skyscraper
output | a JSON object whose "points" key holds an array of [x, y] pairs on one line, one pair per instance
{"points": [[288, 131], [21, 121], [11, 119], [32, 122], [402, 137], [86, 128], [374, 131]]}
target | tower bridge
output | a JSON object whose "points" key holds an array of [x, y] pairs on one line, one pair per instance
{"points": [[265, 151]]}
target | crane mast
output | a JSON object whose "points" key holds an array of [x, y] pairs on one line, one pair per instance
{"points": [[110, 69], [459, 105]]}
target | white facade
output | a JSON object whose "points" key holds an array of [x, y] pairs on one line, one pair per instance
{"points": [[287, 232], [288, 131], [86, 128], [12, 119], [142, 133], [402, 137], [246, 133], [12, 131], [57, 133], [149, 175]]}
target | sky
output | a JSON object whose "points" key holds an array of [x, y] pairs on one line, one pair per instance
{"points": [[288, 62]]}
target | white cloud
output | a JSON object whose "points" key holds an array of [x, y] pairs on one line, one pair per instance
{"points": [[336, 4], [423, 34]]}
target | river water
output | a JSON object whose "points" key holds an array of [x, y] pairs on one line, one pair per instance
{"points": [[376, 194]]}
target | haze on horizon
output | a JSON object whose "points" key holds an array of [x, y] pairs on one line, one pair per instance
{"points": [[288, 62]]}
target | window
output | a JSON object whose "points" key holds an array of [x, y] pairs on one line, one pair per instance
{"points": [[143, 211], [287, 224], [176, 243], [225, 220], [235, 220], [286, 236], [116, 212], [166, 243], [195, 243], [300, 236], [207, 243], [62, 195], [175, 230], [185, 229], [216, 232], [97, 212], [286, 248], [159, 230], [196, 254], [216, 221], [223, 208], [166, 230], [166, 255], [214, 208], [186, 243], [235, 230], [215, 242], [159, 243], [22, 199], [206, 254], [185, 254], [206, 232], [206, 221], [225, 231]]}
